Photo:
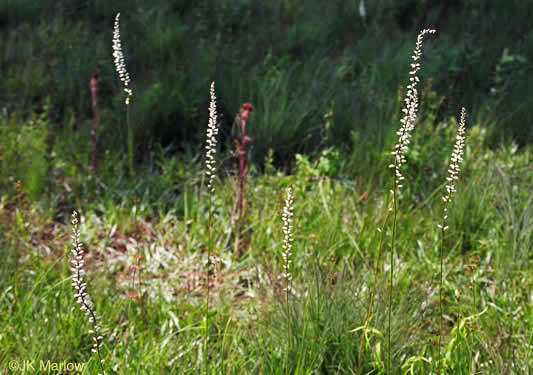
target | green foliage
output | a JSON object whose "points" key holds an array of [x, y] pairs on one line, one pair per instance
{"points": [[461, 342], [319, 77], [25, 153], [509, 69], [334, 247], [292, 62], [329, 163]]}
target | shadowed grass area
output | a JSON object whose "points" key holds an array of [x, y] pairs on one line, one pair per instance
{"points": [[294, 63]]}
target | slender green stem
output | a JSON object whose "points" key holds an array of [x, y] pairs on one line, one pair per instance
{"points": [[93, 315], [206, 339], [441, 277], [373, 292], [288, 329], [130, 142], [395, 208]]}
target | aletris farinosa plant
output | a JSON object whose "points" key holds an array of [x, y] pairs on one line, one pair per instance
{"points": [[453, 175], [81, 295], [210, 171], [287, 262], [124, 76], [399, 152]]}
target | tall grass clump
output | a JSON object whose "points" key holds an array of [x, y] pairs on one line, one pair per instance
{"points": [[124, 76], [453, 175], [212, 132], [81, 295], [399, 153]]}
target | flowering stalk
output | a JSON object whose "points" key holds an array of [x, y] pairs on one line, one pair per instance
{"points": [[410, 113], [453, 175], [124, 76], [400, 150], [212, 132], [81, 296], [287, 246]]}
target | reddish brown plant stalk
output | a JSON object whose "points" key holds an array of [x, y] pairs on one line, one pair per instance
{"points": [[96, 120], [244, 115]]}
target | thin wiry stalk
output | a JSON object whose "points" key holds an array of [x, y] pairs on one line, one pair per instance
{"points": [[373, 291], [400, 150], [453, 175], [395, 207], [130, 142], [287, 246], [81, 296], [441, 256], [212, 132]]}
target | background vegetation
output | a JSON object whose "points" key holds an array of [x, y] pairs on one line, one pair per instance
{"points": [[326, 85], [294, 60]]}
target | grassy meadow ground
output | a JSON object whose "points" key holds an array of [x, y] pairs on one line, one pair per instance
{"points": [[152, 318], [324, 124]]}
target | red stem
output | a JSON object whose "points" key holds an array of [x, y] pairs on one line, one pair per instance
{"points": [[243, 168]]}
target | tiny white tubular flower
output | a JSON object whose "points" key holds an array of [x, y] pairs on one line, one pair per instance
{"points": [[81, 296], [212, 132], [455, 163], [410, 111], [288, 238], [120, 65]]}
